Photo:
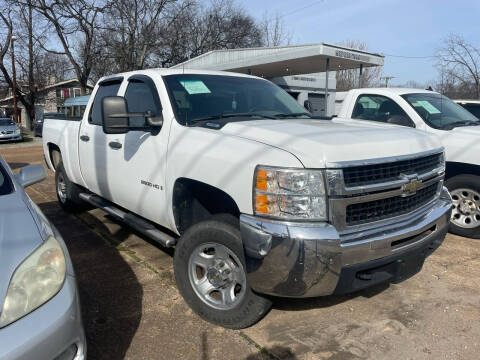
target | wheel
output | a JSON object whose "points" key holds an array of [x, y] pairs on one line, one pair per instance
{"points": [[210, 273], [68, 192], [465, 191]]}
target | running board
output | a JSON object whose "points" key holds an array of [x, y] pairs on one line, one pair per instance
{"points": [[145, 227]]}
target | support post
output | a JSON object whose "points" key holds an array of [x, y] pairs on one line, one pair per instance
{"points": [[327, 68], [14, 81], [360, 77]]}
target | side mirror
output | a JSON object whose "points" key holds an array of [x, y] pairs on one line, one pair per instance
{"points": [[114, 115], [307, 104], [153, 120], [31, 174], [401, 120]]}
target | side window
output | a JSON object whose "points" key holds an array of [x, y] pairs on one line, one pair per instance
{"points": [[141, 98], [106, 89], [376, 108]]}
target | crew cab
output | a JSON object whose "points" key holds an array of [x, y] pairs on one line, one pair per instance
{"points": [[433, 113], [256, 196]]}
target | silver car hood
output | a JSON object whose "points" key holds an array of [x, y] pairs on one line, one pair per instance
{"points": [[19, 237]]}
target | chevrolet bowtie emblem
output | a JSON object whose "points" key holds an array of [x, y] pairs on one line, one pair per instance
{"points": [[411, 187]]}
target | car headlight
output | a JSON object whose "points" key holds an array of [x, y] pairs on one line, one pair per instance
{"points": [[293, 194], [34, 282], [18, 131]]}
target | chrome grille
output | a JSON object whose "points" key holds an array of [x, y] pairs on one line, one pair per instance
{"points": [[379, 173], [361, 213]]}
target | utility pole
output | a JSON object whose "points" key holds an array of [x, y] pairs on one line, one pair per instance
{"points": [[14, 80], [387, 79]]}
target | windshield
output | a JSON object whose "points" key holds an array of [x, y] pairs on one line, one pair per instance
{"points": [[6, 122], [439, 111], [5, 184], [233, 98]]}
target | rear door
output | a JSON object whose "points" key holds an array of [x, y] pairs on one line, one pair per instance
{"points": [[93, 144]]}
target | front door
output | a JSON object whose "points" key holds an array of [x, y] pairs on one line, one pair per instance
{"points": [[137, 181]]}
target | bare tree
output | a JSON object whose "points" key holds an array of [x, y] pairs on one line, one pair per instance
{"points": [[200, 28], [75, 24], [459, 61], [349, 79], [28, 99], [131, 33], [274, 30]]}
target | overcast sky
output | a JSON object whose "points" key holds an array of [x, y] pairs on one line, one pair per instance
{"points": [[395, 27]]}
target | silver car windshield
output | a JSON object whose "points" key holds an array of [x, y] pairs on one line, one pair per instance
{"points": [[440, 112], [6, 122], [5, 183]]}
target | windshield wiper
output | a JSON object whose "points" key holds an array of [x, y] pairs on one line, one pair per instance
{"points": [[223, 116], [462, 123], [293, 114]]}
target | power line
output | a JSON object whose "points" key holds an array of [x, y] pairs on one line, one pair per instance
{"points": [[410, 57], [300, 9]]}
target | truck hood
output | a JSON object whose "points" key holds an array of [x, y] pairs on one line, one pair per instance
{"points": [[462, 144], [319, 142], [19, 237]]}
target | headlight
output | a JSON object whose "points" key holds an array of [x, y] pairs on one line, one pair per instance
{"points": [[18, 132], [294, 194], [34, 282]]}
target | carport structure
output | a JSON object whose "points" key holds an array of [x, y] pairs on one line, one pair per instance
{"points": [[273, 62]]}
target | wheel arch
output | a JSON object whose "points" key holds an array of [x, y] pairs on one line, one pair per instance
{"points": [[55, 154], [453, 168], [194, 201]]}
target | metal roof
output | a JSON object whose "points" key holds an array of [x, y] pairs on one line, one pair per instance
{"points": [[283, 60], [76, 101]]}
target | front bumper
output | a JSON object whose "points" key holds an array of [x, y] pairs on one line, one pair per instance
{"points": [[53, 331], [307, 259], [11, 137]]}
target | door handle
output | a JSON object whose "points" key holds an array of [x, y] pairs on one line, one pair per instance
{"points": [[115, 145], [84, 138]]}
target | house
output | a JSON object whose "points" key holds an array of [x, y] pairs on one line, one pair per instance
{"points": [[51, 98]]}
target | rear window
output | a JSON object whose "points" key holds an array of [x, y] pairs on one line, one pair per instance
{"points": [[106, 89], [5, 183]]}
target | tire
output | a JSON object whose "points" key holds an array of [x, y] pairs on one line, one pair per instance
{"points": [[68, 192], [465, 191], [219, 239]]}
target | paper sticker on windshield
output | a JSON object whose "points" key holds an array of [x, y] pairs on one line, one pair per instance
{"points": [[429, 107], [195, 87]]}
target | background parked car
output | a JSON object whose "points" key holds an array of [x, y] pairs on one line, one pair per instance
{"points": [[471, 105], [38, 124], [40, 314], [9, 130]]}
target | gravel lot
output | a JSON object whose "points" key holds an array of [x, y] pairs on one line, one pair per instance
{"points": [[132, 308]]}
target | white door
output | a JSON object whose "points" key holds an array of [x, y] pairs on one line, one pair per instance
{"points": [[137, 179]]}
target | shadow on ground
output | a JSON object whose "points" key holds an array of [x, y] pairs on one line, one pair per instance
{"points": [[278, 352], [292, 304], [110, 294]]}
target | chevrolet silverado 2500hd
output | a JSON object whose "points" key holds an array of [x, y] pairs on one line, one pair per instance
{"points": [[428, 111], [256, 196]]}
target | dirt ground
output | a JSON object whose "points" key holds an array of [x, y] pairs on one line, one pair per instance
{"points": [[132, 308]]}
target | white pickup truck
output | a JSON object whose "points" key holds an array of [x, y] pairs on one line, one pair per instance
{"points": [[256, 196], [430, 112]]}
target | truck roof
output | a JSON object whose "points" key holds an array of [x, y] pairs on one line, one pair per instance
{"points": [[467, 101], [398, 91], [169, 71]]}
